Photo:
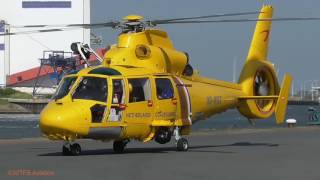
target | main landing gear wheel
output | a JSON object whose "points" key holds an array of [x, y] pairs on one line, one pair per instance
{"points": [[75, 149], [71, 149], [66, 150], [182, 144], [118, 146]]}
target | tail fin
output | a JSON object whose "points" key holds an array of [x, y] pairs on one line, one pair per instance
{"points": [[258, 78], [260, 41], [282, 102]]}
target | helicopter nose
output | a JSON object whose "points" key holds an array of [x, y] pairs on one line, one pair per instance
{"points": [[62, 122]]}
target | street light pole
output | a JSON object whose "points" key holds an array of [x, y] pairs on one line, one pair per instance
{"points": [[292, 89], [312, 90], [301, 91], [304, 87], [234, 69]]}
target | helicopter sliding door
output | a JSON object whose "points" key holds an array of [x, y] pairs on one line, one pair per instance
{"points": [[166, 101], [138, 111], [139, 107]]}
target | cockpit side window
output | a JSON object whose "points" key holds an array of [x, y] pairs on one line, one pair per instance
{"points": [[139, 89], [92, 88], [64, 87]]}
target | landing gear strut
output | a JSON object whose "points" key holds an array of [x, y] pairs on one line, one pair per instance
{"points": [[119, 145], [69, 149], [181, 143]]}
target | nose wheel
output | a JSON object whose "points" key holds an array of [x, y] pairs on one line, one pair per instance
{"points": [[69, 149], [181, 143]]}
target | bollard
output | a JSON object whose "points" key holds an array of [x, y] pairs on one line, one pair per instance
{"points": [[291, 122]]}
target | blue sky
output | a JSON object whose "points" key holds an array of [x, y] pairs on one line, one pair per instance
{"points": [[294, 46]]}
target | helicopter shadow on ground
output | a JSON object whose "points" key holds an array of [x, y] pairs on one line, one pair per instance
{"points": [[199, 148], [237, 144]]}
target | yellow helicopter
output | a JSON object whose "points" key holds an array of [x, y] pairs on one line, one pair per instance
{"points": [[147, 90]]}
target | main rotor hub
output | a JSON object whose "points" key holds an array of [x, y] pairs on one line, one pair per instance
{"points": [[133, 18], [133, 24]]}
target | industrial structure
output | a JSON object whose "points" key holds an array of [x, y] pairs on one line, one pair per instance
{"points": [[20, 55]]}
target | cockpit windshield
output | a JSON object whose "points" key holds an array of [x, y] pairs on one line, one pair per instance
{"points": [[92, 88], [64, 87]]}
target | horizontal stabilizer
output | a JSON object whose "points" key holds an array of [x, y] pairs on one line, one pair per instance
{"points": [[257, 97]]}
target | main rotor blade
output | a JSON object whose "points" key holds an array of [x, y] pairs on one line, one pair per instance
{"points": [[36, 31], [39, 31], [163, 21], [93, 25], [65, 28], [244, 20], [112, 24]]}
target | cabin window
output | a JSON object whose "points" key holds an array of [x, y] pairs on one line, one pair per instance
{"points": [[139, 89], [164, 88], [92, 88], [64, 87], [105, 71]]}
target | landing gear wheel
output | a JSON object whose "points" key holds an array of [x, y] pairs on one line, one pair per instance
{"points": [[182, 144], [118, 146], [75, 149], [66, 151]]}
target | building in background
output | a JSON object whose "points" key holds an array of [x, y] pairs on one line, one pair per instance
{"points": [[21, 53]]}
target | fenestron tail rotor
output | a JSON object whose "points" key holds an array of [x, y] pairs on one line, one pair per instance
{"points": [[261, 85], [261, 88]]}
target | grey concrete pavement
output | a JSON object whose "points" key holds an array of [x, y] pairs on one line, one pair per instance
{"points": [[233, 154]]}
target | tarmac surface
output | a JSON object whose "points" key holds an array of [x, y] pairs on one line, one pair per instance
{"points": [[279, 153]]}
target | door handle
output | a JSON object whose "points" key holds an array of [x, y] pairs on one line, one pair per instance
{"points": [[174, 101], [150, 103]]}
